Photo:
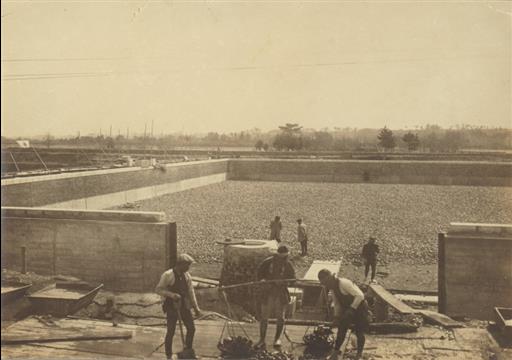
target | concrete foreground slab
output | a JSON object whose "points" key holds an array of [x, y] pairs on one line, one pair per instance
{"points": [[147, 342]]}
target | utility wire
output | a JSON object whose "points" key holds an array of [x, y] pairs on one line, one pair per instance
{"points": [[61, 59], [35, 76]]}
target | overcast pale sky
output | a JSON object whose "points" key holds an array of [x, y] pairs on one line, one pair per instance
{"points": [[70, 66]]}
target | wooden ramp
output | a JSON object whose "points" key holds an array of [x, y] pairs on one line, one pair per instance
{"points": [[440, 319], [389, 299], [384, 299]]}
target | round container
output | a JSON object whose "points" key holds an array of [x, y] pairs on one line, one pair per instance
{"points": [[240, 265]]}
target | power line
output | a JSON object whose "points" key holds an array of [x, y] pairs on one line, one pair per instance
{"points": [[59, 74], [35, 76], [62, 59], [49, 77]]}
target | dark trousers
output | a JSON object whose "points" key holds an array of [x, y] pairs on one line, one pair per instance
{"points": [[342, 333], [360, 324], [275, 237], [188, 321], [373, 265], [304, 247]]}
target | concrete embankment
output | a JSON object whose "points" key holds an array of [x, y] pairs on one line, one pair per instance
{"points": [[124, 250], [384, 172], [107, 188]]}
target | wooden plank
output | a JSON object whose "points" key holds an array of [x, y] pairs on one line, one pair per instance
{"points": [[59, 335], [413, 292], [377, 328], [391, 300], [317, 265], [440, 319], [423, 299]]}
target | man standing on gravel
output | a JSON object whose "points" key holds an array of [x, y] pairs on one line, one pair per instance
{"points": [[275, 296], [370, 251], [176, 288], [350, 309], [302, 236], [275, 229]]}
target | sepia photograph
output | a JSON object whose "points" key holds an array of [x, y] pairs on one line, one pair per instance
{"points": [[256, 179]]}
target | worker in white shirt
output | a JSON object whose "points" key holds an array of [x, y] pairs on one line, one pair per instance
{"points": [[350, 310], [175, 287]]}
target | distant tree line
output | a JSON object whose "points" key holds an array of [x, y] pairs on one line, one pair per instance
{"points": [[293, 137]]}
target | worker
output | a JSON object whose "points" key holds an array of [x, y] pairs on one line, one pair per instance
{"points": [[175, 287], [275, 296], [350, 309], [302, 236], [275, 229], [370, 251]]}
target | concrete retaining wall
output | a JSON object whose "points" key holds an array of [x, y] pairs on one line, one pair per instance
{"points": [[475, 270], [386, 172], [106, 188], [127, 251]]}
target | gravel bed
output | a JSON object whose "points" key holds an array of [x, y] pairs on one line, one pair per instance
{"points": [[404, 218]]}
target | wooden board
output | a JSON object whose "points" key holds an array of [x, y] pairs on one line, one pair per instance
{"points": [[413, 292], [63, 301], [376, 328], [59, 335], [422, 299], [440, 319], [391, 300], [61, 290], [13, 290]]}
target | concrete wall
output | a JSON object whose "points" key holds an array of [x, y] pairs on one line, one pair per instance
{"points": [[106, 188], [124, 250], [475, 270], [393, 172]]}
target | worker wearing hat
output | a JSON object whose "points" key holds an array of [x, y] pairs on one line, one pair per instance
{"points": [[275, 296], [175, 287], [350, 309]]}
